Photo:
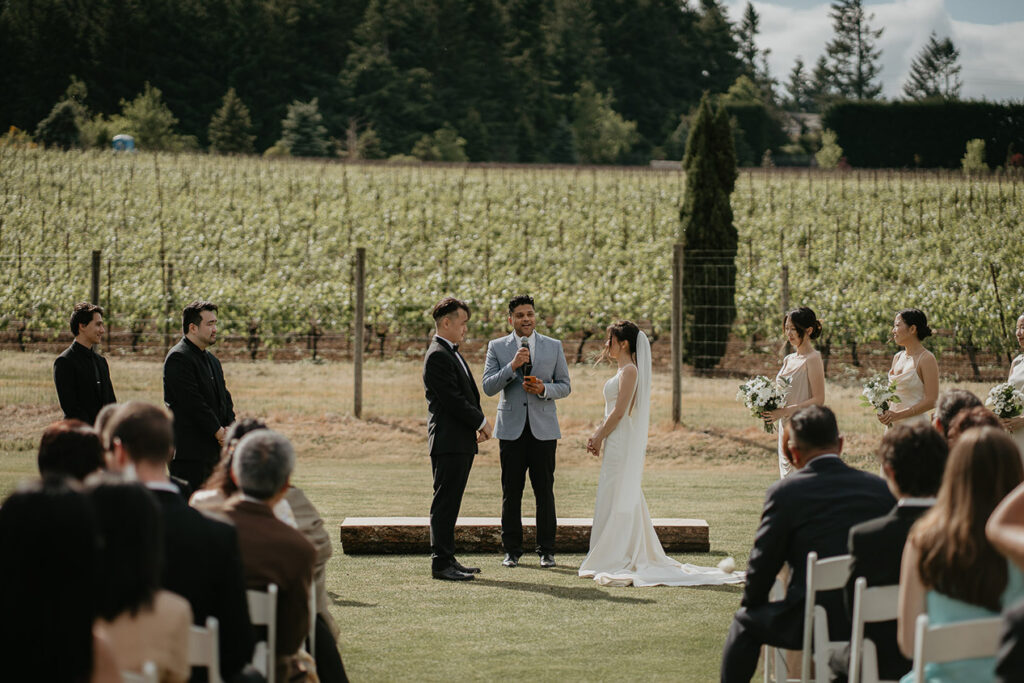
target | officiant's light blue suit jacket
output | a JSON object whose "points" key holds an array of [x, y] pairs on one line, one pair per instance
{"points": [[549, 366]]}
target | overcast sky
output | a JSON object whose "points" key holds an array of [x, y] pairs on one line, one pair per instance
{"points": [[988, 33]]}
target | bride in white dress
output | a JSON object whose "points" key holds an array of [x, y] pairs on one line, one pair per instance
{"points": [[624, 548], [1015, 425], [914, 370]]}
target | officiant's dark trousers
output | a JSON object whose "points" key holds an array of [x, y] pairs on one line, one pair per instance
{"points": [[527, 454], [451, 472]]}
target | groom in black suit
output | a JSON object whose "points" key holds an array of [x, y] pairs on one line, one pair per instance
{"points": [[811, 509], [455, 426]]}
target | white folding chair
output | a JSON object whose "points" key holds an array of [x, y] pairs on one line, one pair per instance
{"points": [[148, 675], [870, 605], [822, 575], [203, 648], [263, 612], [775, 668], [952, 642]]}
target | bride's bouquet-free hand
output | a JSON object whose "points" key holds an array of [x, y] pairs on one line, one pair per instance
{"points": [[1005, 400], [879, 394], [761, 395]]}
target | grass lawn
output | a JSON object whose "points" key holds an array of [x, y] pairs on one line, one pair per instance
{"points": [[399, 624]]}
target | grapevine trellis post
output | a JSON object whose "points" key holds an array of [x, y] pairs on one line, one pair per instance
{"points": [[95, 292], [357, 351], [785, 301], [677, 333]]}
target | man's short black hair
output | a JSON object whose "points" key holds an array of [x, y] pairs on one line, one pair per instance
{"points": [[814, 427], [193, 314], [517, 301], [145, 432], [952, 402], [82, 315], [69, 448], [917, 455], [447, 306]]}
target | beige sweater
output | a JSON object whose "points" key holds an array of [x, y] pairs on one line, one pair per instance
{"points": [[158, 635]]}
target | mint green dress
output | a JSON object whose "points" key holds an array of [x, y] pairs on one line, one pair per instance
{"points": [[943, 609]]}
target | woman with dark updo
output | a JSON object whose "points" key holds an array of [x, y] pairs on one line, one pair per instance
{"points": [[804, 371], [914, 370]]}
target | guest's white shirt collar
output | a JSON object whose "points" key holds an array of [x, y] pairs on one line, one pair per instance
{"points": [[910, 501], [168, 486]]}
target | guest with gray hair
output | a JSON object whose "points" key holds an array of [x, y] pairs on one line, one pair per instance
{"points": [[272, 551], [949, 405]]}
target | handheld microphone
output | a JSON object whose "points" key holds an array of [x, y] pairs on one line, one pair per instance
{"points": [[528, 365]]}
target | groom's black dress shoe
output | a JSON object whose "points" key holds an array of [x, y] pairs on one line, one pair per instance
{"points": [[510, 560], [547, 560], [465, 570], [451, 574]]}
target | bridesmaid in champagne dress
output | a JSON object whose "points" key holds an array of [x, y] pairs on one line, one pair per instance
{"points": [[1015, 425], [914, 370], [803, 368]]}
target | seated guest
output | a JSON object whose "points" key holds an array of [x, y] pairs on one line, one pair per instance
{"points": [[296, 510], [1005, 531], [272, 551], [950, 571], [70, 448], [48, 576], [913, 459], [141, 622], [969, 418], [950, 403], [201, 557], [810, 510]]}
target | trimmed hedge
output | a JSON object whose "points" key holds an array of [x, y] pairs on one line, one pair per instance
{"points": [[924, 134], [761, 130]]}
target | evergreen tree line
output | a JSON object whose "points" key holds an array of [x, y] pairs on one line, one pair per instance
{"points": [[598, 81]]}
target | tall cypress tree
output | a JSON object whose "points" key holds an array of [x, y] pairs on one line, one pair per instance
{"points": [[934, 73], [709, 236], [853, 57]]}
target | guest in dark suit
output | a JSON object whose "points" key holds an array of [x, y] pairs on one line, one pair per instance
{"points": [[913, 460], [810, 510], [272, 551], [81, 375], [201, 556], [195, 392], [455, 426], [1005, 531]]}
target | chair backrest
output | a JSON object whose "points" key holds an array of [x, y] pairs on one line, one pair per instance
{"points": [[263, 612], [203, 648], [148, 674], [870, 605], [952, 642], [822, 575]]}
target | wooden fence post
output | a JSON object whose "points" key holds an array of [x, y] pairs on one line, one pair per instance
{"points": [[677, 333], [95, 292], [357, 351]]}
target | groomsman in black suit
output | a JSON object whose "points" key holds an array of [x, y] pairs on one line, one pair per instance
{"points": [[80, 374], [455, 426], [913, 460], [811, 509], [195, 392]]}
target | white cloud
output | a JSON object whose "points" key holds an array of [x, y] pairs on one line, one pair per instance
{"points": [[990, 54]]}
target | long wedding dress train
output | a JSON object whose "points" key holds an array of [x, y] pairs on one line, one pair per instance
{"points": [[624, 548]]}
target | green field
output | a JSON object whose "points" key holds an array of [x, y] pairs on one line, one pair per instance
{"points": [[397, 623], [272, 242]]}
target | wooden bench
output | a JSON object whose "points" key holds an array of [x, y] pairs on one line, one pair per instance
{"points": [[411, 535]]}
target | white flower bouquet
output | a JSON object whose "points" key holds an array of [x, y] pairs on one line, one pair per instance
{"points": [[1005, 400], [879, 393], [760, 395]]}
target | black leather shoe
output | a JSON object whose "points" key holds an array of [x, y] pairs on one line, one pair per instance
{"points": [[547, 560], [451, 574], [465, 570], [510, 560]]}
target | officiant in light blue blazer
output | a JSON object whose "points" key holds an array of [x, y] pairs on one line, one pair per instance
{"points": [[526, 425]]}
